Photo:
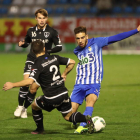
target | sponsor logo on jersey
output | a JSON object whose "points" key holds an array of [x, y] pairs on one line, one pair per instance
{"points": [[44, 41], [57, 82], [88, 59], [49, 62], [29, 67], [66, 101], [46, 34], [33, 34], [33, 72], [46, 57]]}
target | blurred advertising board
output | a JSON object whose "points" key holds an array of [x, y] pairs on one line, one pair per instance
{"points": [[14, 30]]}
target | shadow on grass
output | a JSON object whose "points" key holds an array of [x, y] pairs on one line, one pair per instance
{"points": [[46, 132]]}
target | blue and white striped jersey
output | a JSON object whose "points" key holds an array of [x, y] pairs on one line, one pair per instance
{"points": [[90, 66]]}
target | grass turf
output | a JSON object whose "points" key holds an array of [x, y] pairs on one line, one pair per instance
{"points": [[118, 102]]}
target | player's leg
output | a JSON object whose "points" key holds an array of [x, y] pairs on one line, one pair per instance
{"points": [[78, 117], [77, 98], [66, 110], [21, 98], [23, 90], [38, 118], [37, 106], [29, 98], [91, 98]]}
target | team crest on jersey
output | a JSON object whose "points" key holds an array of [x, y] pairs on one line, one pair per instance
{"points": [[89, 48], [46, 34], [29, 67], [33, 34]]}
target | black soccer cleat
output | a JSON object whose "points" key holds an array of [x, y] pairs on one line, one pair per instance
{"points": [[90, 124], [38, 131]]}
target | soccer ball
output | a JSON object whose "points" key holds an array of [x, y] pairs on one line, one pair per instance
{"points": [[99, 124]]}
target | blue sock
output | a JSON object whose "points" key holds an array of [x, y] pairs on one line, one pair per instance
{"points": [[88, 111]]}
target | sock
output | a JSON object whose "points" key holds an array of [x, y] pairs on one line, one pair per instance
{"points": [[38, 118], [22, 95], [29, 99], [77, 117], [88, 111]]}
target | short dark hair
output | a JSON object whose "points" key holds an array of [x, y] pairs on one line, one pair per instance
{"points": [[41, 11], [37, 46], [80, 29]]}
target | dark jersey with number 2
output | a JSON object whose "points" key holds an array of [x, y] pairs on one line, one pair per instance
{"points": [[46, 72]]}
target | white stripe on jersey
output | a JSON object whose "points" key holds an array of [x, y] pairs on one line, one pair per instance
{"points": [[97, 65], [66, 111], [87, 78], [79, 71], [56, 95], [84, 69], [35, 81], [92, 72], [68, 61], [30, 62], [58, 45], [101, 68]]}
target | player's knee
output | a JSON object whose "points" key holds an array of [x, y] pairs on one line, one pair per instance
{"points": [[34, 107], [33, 90], [66, 118]]}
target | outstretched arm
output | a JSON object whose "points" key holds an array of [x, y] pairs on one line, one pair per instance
{"points": [[68, 68], [9, 85], [121, 36]]}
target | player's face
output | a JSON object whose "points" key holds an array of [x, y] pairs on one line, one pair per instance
{"points": [[81, 39], [41, 20]]}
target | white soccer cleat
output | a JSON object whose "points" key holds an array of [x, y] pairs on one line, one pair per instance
{"points": [[18, 111], [24, 113]]}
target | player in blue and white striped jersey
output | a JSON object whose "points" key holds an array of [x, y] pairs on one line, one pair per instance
{"points": [[90, 69]]}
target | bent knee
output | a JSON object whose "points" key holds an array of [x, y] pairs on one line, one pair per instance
{"points": [[66, 118], [33, 105], [33, 90]]}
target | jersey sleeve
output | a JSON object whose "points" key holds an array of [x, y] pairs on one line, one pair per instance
{"points": [[101, 41], [35, 72], [56, 39], [63, 60], [27, 39]]}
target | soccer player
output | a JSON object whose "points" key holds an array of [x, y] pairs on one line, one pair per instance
{"points": [[90, 69], [46, 71], [42, 31]]}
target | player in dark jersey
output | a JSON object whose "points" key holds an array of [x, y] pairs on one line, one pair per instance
{"points": [[47, 35], [45, 71]]}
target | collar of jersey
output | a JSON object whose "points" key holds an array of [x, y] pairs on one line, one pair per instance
{"points": [[43, 29]]}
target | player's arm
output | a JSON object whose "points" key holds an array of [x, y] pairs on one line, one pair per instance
{"points": [[9, 85], [57, 43], [69, 67], [121, 36], [25, 43]]}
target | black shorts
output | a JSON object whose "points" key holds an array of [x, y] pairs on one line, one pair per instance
{"points": [[61, 103]]}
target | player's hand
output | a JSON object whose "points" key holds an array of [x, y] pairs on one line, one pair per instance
{"points": [[64, 77], [21, 43], [7, 86], [138, 28]]}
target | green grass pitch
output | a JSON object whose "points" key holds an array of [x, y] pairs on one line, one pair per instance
{"points": [[118, 103]]}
